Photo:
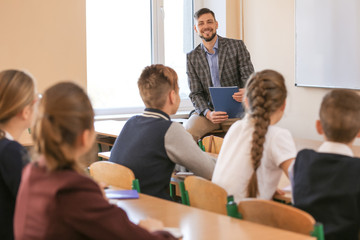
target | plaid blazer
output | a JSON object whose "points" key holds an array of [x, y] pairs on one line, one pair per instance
{"points": [[234, 69]]}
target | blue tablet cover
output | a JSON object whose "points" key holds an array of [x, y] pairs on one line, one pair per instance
{"points": [[223, 101], [121, 194]]}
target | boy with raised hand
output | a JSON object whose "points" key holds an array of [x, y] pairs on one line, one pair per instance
{"points": [[326, 183], [151, 144]]}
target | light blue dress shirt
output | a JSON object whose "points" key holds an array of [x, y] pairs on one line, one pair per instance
{"points": [[213, 60]]}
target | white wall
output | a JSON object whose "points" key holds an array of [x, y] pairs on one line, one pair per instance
{"points": [[270, 38]]}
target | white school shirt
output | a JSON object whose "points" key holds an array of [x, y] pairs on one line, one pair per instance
{"points": [[8, 136], [233, 168], [336, 148]]}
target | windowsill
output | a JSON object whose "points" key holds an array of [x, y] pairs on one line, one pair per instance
{"points": [[124, 117]]}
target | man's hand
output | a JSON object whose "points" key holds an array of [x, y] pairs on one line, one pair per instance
{"points": [[216, 117], [238, 96]]}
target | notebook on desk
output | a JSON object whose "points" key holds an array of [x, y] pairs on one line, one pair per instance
{"points": [[223, 101], [121, 194]]}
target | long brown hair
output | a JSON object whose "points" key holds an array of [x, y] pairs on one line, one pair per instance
{"points": [[266, 93], [17, 90], [65, 112]]}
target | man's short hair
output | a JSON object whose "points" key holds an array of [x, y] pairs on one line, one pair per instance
{"points": [[340, 115], [203, 11], [155, 82]]}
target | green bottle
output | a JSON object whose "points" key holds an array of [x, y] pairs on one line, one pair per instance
{"points": [[231, 208]]}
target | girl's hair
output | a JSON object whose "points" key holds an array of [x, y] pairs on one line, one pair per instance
{"points": [[17, 90], [65, 112], [266, 93]]}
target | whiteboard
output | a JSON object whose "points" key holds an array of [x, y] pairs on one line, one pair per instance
{"points": [[327, 43]]}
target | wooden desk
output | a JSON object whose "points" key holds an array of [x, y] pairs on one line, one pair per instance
{"points": [[197, 224]]}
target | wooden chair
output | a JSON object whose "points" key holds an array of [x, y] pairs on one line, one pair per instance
{"points": [[279, 215], [206, 195], [114, 174], [212, 144]]}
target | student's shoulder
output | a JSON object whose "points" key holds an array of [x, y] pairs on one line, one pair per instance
{"points": [[176, 128], [10, 145], [11, 149], [62, 180], [306, 154], [276, 132], [309, 155]]}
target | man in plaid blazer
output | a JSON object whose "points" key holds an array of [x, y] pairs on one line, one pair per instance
{"points": [[216, 62]]}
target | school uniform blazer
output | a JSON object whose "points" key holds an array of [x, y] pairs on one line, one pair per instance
{"points": [[234, 69]]}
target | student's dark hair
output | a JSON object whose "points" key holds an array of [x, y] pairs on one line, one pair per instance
{"points": [[340, 115], [17, 90], [203, 11], [266, 93], [65, 112], [155, 82]]}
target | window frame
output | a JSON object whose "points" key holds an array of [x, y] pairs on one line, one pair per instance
{"points": [[157, 56]]}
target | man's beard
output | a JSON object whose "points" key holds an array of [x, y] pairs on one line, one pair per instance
{"points": [[208, 39]]}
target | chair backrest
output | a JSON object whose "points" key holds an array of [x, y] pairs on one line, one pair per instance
{"points": [[277, 215], [112, 174], [212, 143], [206, 195]]}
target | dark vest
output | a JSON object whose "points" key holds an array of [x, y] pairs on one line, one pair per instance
{"points": [[141, 147], [328, 187]]}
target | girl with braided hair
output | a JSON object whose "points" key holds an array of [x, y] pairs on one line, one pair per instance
{"points": [[255, 151]]}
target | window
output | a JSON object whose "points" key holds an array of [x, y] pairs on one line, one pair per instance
{"points": [[125, 36]]}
